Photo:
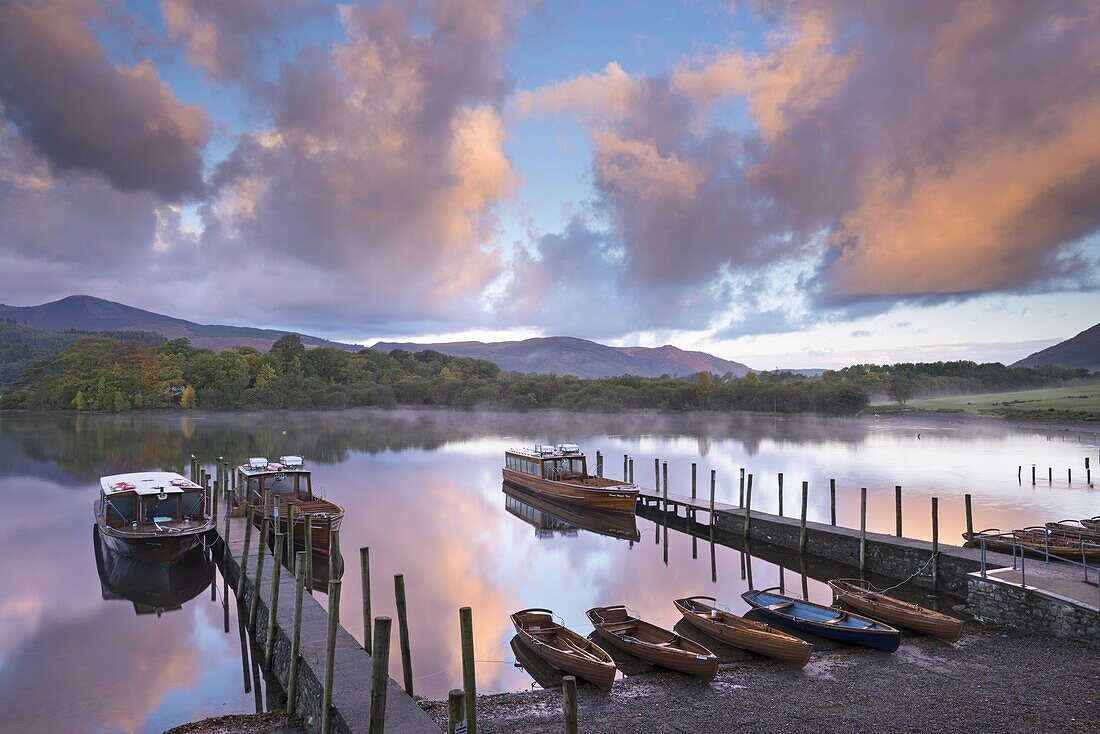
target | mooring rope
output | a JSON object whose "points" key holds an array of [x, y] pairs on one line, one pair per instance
{"points": [[912, 576]]}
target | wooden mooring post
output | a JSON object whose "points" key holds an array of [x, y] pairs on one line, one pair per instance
{"points": [[657, 475], [862, 529], [781, 494], [832, 502], [364, 573], [569, 703], [935, 544], [664, 487], [379, 674], [309, 553], [969, 519], [330, 655], [249, 514], [289, 536], [748, 505], [403, 631], [296, 638], [626, 475], [469, 683], [456, 711], [802, 523], [694, 468], [897, 509], [632, 471], [741, 492], [273, 602], [713, 481], [1032, 475], [334, 556], [599, 463], [261, 553]]}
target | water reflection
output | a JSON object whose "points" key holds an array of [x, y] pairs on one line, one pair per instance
{"points": [[550, 519], [152, 588], [421, 489]]}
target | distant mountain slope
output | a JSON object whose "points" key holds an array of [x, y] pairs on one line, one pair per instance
{"points": [[565, 355], [1082, 350], [88, 313]]}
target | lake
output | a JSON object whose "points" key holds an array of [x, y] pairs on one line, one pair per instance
{"points": [[422, 489]]}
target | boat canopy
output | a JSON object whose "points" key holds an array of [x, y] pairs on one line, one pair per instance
{"points": [[149, 482], [549, 451], [292, 462]]}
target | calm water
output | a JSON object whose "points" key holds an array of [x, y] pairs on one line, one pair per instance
{"points": [[423, 490]]}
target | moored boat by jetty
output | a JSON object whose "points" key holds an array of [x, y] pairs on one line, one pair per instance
{"points": [[625, 631], [271, 488], [155, 516], [152, 588], [747, 634], [560, 474], [858, 595], [563, 648], [823, 621]]}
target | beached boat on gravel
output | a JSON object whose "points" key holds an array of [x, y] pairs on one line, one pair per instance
{"points": [[747, 634], [859, 595], [563, 648], [828, 622], [625, 631]]}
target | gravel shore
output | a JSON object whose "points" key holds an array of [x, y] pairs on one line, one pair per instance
{"points": [[990, 681]]}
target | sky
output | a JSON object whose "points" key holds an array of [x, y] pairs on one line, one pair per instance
{"points": [[786, 184]]}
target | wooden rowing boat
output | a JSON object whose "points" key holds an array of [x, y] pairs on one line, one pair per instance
{"points": [[560, 474], [1092, 523], [828, 622], [1041, 541], [616, 626], [1075, 529], [763, 639], [858, 595], [563, 648]]}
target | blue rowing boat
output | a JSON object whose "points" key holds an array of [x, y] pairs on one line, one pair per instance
{"points": [[828, 622]]}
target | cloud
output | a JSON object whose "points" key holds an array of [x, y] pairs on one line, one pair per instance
{"points": [[376, 183], [906, 153], [84, 113], [226, 39]]}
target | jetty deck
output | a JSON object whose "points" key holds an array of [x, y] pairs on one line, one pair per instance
{"points": [[352, 673]]}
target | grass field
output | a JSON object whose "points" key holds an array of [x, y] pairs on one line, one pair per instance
{"points": [[1080, 403]]}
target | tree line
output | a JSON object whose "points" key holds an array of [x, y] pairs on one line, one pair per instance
{"points": [[122, 372]]}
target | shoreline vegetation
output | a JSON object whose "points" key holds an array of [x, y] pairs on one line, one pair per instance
{"points": [[120, 372]]}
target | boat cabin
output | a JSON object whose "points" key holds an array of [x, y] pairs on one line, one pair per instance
{"points": [[564, 461], [286, 478], [150, 498]]}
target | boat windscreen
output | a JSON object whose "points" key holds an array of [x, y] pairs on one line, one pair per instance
{"points": [[162, 510], [279, 484], [192, 504], [120, 509]]}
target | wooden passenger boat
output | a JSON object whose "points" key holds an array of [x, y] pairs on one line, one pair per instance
{"points": [[560, 474], [563, 648], [763, 639], [619, 628], [154, 516], [550, 519], [828, 622], [152, 589], [271, 488], [858, 595]]}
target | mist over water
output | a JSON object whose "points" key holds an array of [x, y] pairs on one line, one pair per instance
{"points": [[422, 489]]}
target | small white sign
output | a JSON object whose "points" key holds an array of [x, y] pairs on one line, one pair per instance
{"points": [[460, 727]]}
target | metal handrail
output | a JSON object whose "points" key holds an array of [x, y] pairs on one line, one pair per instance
{"points": [[1083, 563]]}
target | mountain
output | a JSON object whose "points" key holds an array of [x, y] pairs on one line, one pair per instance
{"points": [[87, 313], [564, 355], [1082, 350]]}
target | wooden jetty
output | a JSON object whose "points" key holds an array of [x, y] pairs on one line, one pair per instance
{"points": [[351, 679]]}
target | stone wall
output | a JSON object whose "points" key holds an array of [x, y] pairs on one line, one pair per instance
{"points": [[1007, 604]]}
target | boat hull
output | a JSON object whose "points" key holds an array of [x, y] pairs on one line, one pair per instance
{"points": [[545, 516], [868, 633], [745, 633], [897, 612], [153, 547], [679, 654], [599, 671], [618, 498]]}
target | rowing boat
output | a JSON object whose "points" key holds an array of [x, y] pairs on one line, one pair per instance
{"points": [[858, 594], [616, 626], [828, 622], [563, 648], [1075, 529], [700, 612]]}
